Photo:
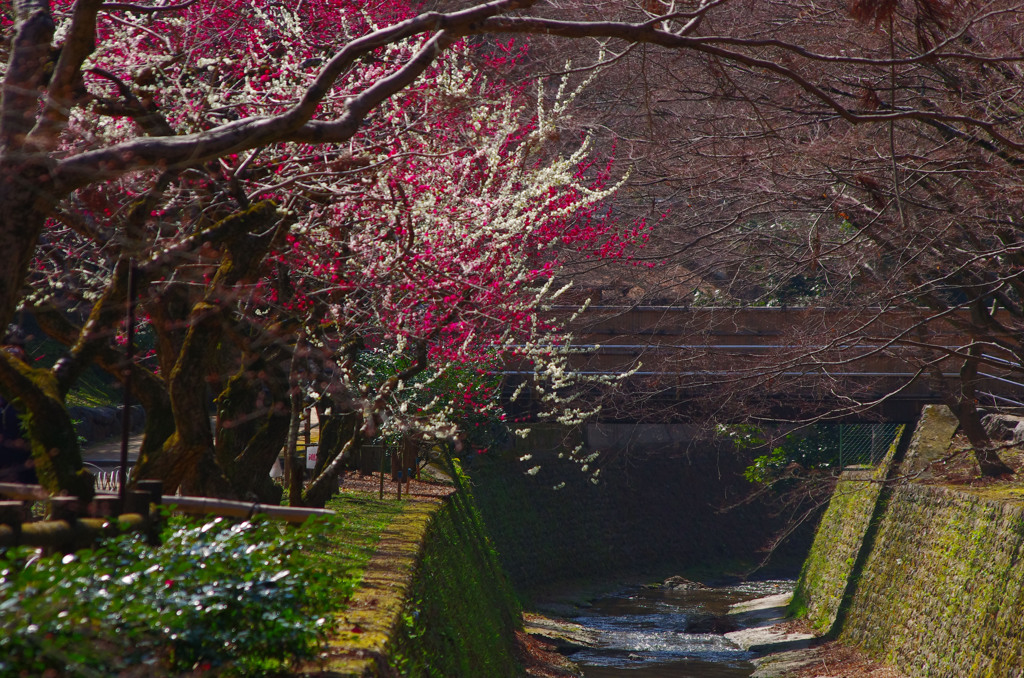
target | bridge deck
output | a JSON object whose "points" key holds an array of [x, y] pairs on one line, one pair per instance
{"points": [[795, 354]]}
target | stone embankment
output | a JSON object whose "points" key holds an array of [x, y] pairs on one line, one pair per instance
{"points": [[433, 601], [924, 577], [659, 508]]}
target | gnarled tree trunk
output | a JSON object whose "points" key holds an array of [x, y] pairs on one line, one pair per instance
{"points": [[964, 406]]}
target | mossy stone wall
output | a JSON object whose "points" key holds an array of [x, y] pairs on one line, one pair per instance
{"points": [[433, 601], [829, 564], [942, 591], [857, 503], [928, 578], [461, 615]]}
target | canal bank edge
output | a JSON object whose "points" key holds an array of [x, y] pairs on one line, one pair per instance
{"points": [[432, 602], [921, 577]]}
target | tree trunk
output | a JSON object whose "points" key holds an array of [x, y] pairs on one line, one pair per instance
{"points": [[984, 451], [252, 433], [25, 184], [159, 428], [297, 473], [190, 449], [52, 435], [339, 435], [249, 235], [20, 225], [964, 406]]}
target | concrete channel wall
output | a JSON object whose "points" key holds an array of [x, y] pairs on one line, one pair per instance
{"points": [[928, 578], [664, 506]]}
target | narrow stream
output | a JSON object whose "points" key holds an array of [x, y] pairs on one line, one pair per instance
{"points": [[648, 633]]}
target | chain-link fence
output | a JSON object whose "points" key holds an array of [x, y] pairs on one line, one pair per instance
{"points": [[825, 446], [837, 445], [858, 444]]}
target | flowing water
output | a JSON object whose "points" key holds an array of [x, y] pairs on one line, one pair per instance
{"points": [[648, 633]]}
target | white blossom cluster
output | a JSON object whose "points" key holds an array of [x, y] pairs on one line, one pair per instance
{"points": [[440, 222]]}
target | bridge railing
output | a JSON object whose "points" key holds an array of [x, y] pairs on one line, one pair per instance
{"points": [[872, 352]]}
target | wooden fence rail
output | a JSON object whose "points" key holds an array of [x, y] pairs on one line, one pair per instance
{"points": [[71, 524]]}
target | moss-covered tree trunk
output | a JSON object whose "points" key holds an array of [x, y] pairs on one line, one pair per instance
{"points": [[52, 436], [152, 393], [26, 194], [253, 426], [247, 238], [190, 462], [964, 405]]}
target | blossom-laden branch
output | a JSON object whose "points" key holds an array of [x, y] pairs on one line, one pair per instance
{"points": [[418, 254], [428, 205]]}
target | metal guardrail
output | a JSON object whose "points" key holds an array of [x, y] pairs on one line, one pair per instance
{"points": [[702, 344]]}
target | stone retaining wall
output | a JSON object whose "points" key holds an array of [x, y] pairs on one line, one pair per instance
{"points": [[652, 514], [359, 647], [827, 570], [942, 591], [839, 544], [927, 578], [433, 601], [461, 616]]}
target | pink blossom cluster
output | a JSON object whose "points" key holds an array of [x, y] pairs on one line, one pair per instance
{"points": [[442, 222]]}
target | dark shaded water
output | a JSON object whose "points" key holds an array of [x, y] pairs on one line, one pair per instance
{"points": [[648, 633]]}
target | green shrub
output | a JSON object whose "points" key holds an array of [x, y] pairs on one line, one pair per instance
{"points": [[231, 598]]}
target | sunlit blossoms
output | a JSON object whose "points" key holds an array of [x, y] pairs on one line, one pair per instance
{"points": [[391, 278]]}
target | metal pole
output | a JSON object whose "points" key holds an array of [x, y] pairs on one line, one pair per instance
{"points": [[308, 433], [841, 465], [129, 356]]}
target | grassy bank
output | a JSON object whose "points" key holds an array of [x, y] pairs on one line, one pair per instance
{"points": [[348, 546]]}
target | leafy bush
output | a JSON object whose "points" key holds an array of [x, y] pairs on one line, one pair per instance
{"points": [[230, 598], [821, 447]]}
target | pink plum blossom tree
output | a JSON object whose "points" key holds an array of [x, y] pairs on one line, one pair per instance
{"points": [[427, 241]]}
